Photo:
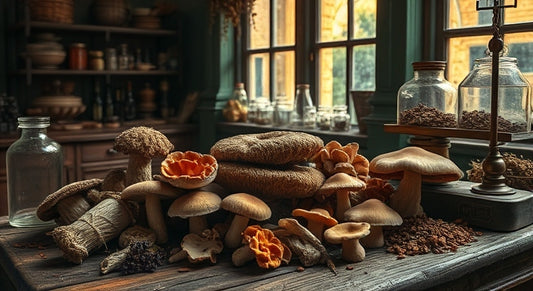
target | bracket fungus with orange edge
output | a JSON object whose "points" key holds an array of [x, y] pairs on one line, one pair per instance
{"points": [[264, 246], [188, 170], [412, 166]]}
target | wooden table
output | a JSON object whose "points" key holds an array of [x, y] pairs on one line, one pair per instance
{"points": [[496, 260]]}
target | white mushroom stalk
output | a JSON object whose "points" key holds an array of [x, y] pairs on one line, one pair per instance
{"points": [[233, 238], [139, 169], [407, 197]]}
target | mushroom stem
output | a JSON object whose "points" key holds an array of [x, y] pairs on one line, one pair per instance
{"points": [[242, 255], [181, 255], [406, 200], [139, 169], [316, 228], [71, 208], [343, 203], [197, 224], [352, 251], [233, 238], [155, 219], [93, 229], [374, 239]]}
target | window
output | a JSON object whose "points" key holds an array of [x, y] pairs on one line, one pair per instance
{"points": [[466, 34], [330, 44]]}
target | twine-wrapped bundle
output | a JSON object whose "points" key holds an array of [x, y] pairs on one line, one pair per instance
{"points": [[101, 223]]}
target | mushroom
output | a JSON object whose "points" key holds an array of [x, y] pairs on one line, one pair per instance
{"points": [[152, 192], [114, 180], [412, 165], [142, 144], [377, 214], [348, 234], [317, 220], [195, 206], [341, 184], [199, 247], [188, 170], [245, 207], [68, 203], [264, 246]]}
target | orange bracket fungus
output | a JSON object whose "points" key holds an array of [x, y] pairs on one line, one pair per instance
{"points": [[262, 245], [188, 170]]}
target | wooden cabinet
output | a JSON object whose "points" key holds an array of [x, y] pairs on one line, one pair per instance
{"points": [[89, 153]]}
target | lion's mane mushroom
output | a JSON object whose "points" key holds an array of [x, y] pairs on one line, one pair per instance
{"points": [[199, 247], [341, 184], [142, 144], [245, 207], [377, 214], [318, 219], [348, 234], [151, 192], [264, 246], [195, 206], [68, 203], [188, 170], [412, 166]]}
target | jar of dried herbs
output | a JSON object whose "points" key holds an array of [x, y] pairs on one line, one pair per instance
{"points": [[514, 104], [428, 99]]}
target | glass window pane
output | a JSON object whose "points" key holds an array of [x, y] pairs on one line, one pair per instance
{"points": [[463, 13], [462, 51], [332, 82], [333, 20], [364, 24], [522, 13], [520, 46], [284, 75], [259, 75], [364, 68], [260, 29], [285, 21]]}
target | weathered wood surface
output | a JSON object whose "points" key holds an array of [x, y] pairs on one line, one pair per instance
{"points": [[494, 259]]}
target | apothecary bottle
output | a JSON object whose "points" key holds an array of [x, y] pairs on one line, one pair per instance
{"points": [[428, 99], [34, 170], [514, 97], [323, 117], [301, 101], [340, 118]]}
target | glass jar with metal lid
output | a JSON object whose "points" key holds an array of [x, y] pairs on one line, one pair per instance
{"points": [[428, 99], [514, 104]]}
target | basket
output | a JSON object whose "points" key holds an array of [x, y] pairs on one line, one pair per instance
{"points": [[60, 11]]}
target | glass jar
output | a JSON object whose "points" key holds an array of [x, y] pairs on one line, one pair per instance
{"points": [[340, 119], [123, 58], [34, 170], [252, 112], [77, 56], [513, 97], [111, 59], [323, 117], [265, 112], [428, 99], [301, 101], [282, 112], [96, 60], [310, 117]]}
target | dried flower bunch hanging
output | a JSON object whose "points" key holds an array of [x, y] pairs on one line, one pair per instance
{"points": [[232, 11]]}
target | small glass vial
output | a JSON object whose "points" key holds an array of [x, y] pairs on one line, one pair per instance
{"points": [[323, 117], [111, 59], [514, 115], [340, 119], [77, 56], [428, 99], [301, 101], [34, 170]]}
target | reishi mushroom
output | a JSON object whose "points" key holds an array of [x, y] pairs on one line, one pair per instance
{"points": [[151, 193], [348, 234], [412, 166], [142, 144], [341, 184], [317, 220], [245, 207], [195, 206], [377, 214], [188, 170]]}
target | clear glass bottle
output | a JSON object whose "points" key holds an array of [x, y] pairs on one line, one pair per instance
{"points": [[323, 117], [34, 170], [340, 119], [428, 99], [301, 101], [514, 113]]}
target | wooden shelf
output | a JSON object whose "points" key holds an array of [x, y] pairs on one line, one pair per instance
{"points": [[41, 25], [95, 73], [455, 132]]}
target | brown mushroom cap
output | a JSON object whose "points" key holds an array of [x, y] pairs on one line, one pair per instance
{"points": [[144, 141], [247, 205], [346, 231], [195, 203], [432, 167], [375, 212], [341, 184], [46, 210], [317, 215]]}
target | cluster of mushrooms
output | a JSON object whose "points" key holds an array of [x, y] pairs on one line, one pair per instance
{"points": [[337, 197]]}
